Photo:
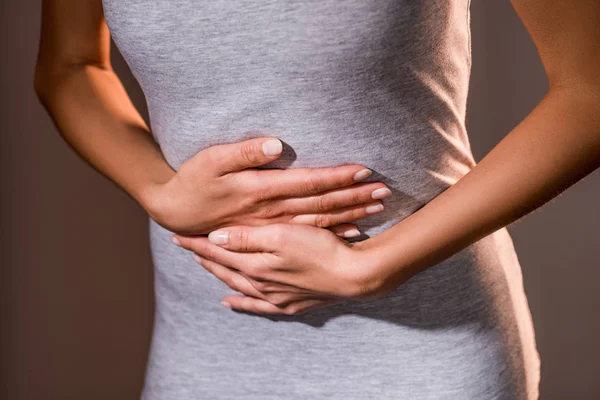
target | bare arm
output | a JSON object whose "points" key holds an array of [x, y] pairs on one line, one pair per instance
{"points": [[218, 186], [76, 83], [556, 145]]}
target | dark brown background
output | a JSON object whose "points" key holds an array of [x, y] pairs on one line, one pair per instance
{"points": [[76, 274]]}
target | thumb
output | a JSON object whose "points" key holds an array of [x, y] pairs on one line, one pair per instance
{"points": [[247, 238], [226, 158]]}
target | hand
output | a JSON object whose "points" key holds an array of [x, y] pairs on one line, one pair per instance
{"points": [[217, 188], [287, 268]]}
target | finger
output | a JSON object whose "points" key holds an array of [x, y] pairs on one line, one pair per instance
{"points": [[226, 158], [251, 304], [300, 182], [259, 306], [342, 215], [302, 306], [317, 304], [345, 230], [244, 238], [357, 194], [230, 277], [236, 260]]}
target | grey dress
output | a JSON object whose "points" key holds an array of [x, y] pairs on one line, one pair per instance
{"points": [[381, 83]]}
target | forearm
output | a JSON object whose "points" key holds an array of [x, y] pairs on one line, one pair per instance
{"points": [[555, 146], [95, 116]]}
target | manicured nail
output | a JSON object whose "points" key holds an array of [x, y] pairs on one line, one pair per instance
{"points": [[374, 208], [225, 304], [197, 258], [272, 147], [362, 174], [175, 241], [352, 233], [218, 237], [381, 193]]}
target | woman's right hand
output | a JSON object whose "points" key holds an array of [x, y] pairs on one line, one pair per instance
{"points": [[219, 187]]}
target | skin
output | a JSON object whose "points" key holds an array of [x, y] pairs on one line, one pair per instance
{"points": [[286, 269], [290, 268], [218, 187]]}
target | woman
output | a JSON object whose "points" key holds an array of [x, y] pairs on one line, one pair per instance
{"points": [[420, 300]]}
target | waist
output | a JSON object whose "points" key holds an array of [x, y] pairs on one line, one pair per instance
{"points": [[468, 283], [415, 165]]}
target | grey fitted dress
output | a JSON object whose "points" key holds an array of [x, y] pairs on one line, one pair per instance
{"points": [[381, 83]]}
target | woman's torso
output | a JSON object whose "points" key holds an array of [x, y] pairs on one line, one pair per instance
{"points": [[380, 83]]}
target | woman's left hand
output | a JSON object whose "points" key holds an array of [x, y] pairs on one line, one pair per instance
{"points": [[286, 268]]}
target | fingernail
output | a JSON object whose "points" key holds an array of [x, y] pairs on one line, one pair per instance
{"points": [[218, 237], [272, 147], [197, 258], [225, 304], [362, 174], [381, 193], [175, 241], [352, 233], [374, 208]]}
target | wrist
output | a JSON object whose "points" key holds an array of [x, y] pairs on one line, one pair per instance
{"points": [[375, 275], [153, 196], [387, 262]]}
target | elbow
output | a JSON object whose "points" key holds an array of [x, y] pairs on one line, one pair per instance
{"points": [[50, 78], [43, 83], [587, 86], [47, 81], [585, 93], [38, 87]]}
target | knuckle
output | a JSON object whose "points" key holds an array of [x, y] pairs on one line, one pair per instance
{"points": [[357, 213], [322, 221], [351, 215], [248, 153], [357, 198], [259, 195], [321, 203], [243, 239], [268, 212], [311, 185]]}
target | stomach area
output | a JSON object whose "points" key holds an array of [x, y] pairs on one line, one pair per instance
{"points": [[416, 157]]}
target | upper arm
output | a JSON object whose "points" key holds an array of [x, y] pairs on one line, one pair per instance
{"points": [[73, 33], [567, 36]]}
